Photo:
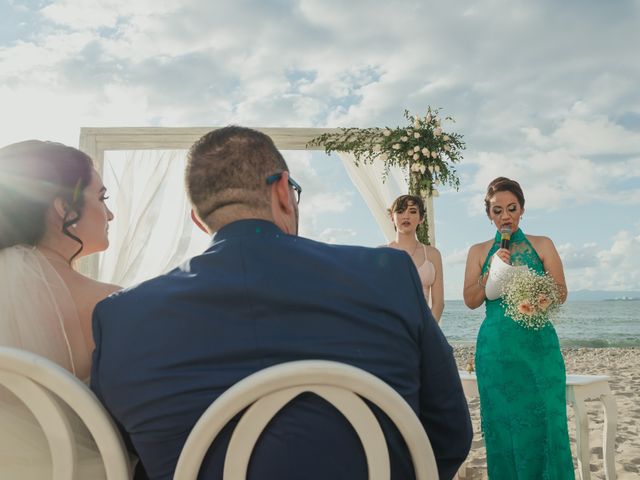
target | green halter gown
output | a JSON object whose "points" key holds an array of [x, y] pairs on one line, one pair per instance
{"points": [[521, 380]]}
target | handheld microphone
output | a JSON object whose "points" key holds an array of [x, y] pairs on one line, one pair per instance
{"points": [[505, 237]]}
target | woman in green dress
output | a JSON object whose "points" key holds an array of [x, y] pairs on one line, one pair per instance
{"points": [[521, 374]]}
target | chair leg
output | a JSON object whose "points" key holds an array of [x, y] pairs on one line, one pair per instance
{"points": [[609, 434], [582, 437]]}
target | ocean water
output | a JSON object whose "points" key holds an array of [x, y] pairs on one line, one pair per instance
{"points": [[602, 323]]}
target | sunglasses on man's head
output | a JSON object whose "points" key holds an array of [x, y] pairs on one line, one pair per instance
{"points": [[295, 185]]}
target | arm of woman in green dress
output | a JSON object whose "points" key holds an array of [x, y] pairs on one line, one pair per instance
{"points": [[474, 282], [552, 264], [437, 289]]}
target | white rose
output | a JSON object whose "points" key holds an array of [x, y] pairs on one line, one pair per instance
{"points": [[416, 135], [386, 132], [436, 169], [416, 156], [410, 152], [428, 118], [434, 155], [404, 139], [416, 123], [447, 148], [396, 146], [445, 138], [438, 121], [425, 152], [384, 157], [415, 167], [376, 147], [437, 132], [431, 168], [423, 168], [416, 148], [424, 193]]}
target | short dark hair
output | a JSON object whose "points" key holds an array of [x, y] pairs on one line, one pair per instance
{"points": [[32, 174], [401, 203], [229, 166], [503, 184]]}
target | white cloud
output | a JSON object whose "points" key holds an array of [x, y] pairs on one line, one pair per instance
{"points": [[595, 268]]}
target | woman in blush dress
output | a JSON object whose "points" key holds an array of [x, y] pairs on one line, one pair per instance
{"points": [[521, 374], [407, 212], [52, 212]]}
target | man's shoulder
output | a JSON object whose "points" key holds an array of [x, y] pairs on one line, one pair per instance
{"points": [[355, 253], [136, 294]]}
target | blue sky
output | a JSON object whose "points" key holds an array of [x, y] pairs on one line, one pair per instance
{"points": [[544, 92]]}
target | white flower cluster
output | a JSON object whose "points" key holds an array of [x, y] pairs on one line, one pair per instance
{"points": [[530, 299]]}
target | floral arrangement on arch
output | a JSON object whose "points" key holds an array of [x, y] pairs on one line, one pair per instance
{"points": [[422, 149], [530, 299]]}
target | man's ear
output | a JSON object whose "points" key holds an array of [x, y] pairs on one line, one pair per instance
{"points": [[199, 223], [283, 193]]}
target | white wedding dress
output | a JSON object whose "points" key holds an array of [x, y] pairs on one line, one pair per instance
{"points": [[38, 314]]}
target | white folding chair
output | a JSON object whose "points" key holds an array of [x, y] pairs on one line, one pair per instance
{"points": [[268, 390], [39, 383]]}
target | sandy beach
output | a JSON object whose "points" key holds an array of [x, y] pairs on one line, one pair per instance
{"points": [[623, 366]]}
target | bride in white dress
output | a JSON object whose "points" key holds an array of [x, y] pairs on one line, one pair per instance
{"points": [[52, 212]]}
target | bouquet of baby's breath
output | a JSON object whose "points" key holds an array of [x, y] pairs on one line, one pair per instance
{"points": [[530, 299]]}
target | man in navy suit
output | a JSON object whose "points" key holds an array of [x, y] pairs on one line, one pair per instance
{"points": [[258, 296]]}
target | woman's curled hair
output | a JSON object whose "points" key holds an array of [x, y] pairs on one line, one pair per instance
{"points": [[33, 174]]}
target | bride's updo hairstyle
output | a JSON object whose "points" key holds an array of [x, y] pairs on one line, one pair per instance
{"points": [[503, 184], [33, 174]]}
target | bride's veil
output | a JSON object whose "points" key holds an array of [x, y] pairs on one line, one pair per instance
{"points": [[38, 314]]}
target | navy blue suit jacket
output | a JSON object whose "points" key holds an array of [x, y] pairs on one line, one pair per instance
{"points": [[170, 346]]}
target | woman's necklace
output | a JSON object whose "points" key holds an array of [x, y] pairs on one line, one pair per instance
{"points": [[414, 249], [54, 257]]}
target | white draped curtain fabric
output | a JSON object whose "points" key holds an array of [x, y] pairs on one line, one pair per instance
{"points": [[153, 232]]}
